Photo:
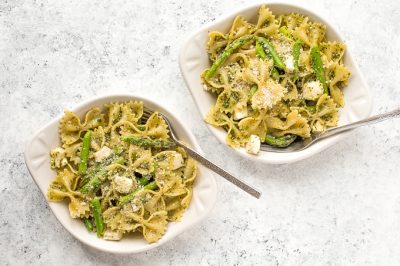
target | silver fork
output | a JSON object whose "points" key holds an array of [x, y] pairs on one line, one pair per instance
{"points": [[302, 144], [204, 161]]}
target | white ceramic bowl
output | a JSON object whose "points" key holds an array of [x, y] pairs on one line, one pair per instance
{"points": [[194, 59], [38, 161]]}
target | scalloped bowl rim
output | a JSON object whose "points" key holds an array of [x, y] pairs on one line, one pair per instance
{"points": [[204, 190], [188, 54]]}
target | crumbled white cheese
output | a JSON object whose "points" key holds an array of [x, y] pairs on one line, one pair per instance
{"points": [[102, 154], [289, 63], [268, 96], [178, 161], [312, 90], [240, 113], [135, 205], [122, 184], [112, 235], [253, 145]]}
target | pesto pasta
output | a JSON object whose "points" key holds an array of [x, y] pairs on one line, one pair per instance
{"points": [[275, 80], [121, 174]]}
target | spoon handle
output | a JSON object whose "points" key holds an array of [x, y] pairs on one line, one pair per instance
{"points": [[368, 121], [200, 158]]}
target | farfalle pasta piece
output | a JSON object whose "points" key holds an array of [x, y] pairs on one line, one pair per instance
{"points": [[93, 118], [215, 44], [338, 77], [72, 152], [154, 201], [169, 183], [266, 23], [144, 165], [326, 114], [155, 226], [253, 126], [168, 160], [215, 84], [234, 137], [294, 124], [332, 52], [116, 219], [70, 127], [292, 21], [113, 115], [239, 28], [156, 127], [311, 33], [230, 100], [175, 208], [136, 152], [98, 138], [132, 111], [190, 172], [217, 118], [63, 187]]}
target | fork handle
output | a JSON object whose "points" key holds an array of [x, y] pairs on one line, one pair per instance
{"points": [[368, 121], [215, 168]]}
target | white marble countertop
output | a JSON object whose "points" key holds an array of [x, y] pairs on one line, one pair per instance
{"points": [[341, 207]]}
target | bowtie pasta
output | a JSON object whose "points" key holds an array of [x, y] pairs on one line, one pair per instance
{"points": [[275, 80], [120, 173]]}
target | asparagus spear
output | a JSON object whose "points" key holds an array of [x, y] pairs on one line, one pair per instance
{"points": [[269, 50], [85, 152], [274, 73], [296, 54], [92, 180], [149, 143], [226, 53], [261, 54], [144, 180], [129, 197], [318, 68], [253, 90], [311, 108], [92, 185], [260, 51], [97, 216], [280, 142], [88, 224]]}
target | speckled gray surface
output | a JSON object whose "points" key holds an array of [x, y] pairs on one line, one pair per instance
{"points": [[341, 207]]}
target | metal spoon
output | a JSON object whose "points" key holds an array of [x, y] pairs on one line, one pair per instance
{"points": [[302, 144], [204, 161]]}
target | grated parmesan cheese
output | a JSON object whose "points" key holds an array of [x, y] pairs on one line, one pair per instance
{"points": [[268, 96]]}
